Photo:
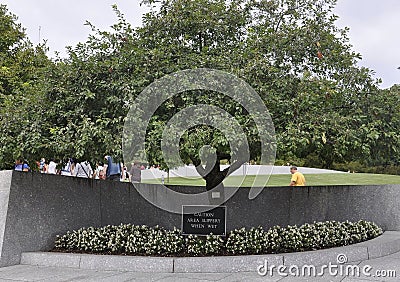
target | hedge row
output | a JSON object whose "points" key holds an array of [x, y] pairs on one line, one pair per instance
{"points": [[143, 240]]}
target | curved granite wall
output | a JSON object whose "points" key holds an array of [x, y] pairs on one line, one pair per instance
{"points": [[36, 207]]}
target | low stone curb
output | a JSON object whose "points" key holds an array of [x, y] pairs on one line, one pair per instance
{"points": [[384, 245]]}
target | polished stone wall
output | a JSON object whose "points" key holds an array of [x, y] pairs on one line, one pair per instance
{"points": [[36, 207]]}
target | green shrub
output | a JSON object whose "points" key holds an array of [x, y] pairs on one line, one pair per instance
{"points": [[143, 240], [241, 241], [356, 166], [209, 245]]}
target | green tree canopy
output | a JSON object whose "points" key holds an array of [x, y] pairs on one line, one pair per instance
{"points": [[325, 108], [22, 95]]}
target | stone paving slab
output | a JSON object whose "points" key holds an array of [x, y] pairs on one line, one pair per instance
{"points": [[347, 279], [225, 264], [384, 245], [37, 273], [324, 257], [127, 263], [51, 259], [99, 262], [383, 269], [58, 274], [395, 255], [312, 279]]}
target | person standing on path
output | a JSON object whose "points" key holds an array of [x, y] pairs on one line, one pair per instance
{"points": [[298, 178]]}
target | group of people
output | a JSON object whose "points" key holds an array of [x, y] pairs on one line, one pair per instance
{"points": [[21, 165], [112, 171], [79, 168]]}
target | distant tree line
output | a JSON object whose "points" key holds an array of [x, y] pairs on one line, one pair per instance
{"points": [[328, 112]]}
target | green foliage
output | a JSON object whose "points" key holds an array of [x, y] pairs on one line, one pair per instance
{"points": [[325, 108], [22, 95], [356, 166], [244, 241], [143, 240], [209, 245], [130, 239]]}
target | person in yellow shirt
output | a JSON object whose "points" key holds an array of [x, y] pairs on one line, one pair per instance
{"points": [[298, 178]]}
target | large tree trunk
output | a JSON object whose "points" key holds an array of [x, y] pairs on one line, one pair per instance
{"points": [[213, 176], [212, 173]]}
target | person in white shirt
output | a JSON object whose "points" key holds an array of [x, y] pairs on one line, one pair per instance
{"points": [[99, 172], [83, 169], [67, 169], [51, 167]]}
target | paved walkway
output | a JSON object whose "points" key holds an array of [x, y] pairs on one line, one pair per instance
{"points": [[388, 265]]}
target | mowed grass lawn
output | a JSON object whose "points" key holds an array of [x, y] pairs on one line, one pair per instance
{"points": [[284, 179]]}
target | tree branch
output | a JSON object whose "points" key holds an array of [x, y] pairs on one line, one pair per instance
{"points": [[201, 170], [233, 167], [285, 13], [198, 166]]}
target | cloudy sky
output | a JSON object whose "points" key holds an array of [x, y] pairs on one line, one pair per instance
{"points": [[374, 26]]}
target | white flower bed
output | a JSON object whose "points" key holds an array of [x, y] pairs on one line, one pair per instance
{"points": [[143, 240]]}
